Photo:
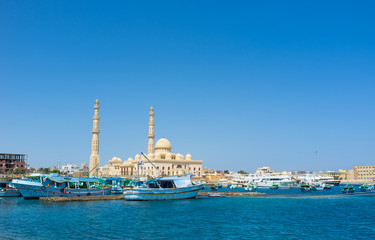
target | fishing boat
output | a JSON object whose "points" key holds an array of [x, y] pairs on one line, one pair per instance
{"points": [[250, 187], [319, 187], [8, 190], [305, 188], [348, 189], [116, 185], [163, 188], [365, 188], [233, 186], [328, 186], [52, 185], [274, 186], [218, 185]]}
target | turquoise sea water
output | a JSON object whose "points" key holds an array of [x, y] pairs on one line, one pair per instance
{"points": [[330, 216]]}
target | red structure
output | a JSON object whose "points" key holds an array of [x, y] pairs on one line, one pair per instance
{"points": [[10, 162]]}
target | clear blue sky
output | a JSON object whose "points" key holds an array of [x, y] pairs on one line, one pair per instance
{"points": [[238, 85]]}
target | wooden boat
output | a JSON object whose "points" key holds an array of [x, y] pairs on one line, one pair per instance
{"points": [[348, 189], [52, 185], [8, 190], [274, 186], [305, 188], [164, 188]]}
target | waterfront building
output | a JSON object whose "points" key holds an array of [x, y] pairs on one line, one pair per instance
{"points": [[364, 172], [342, 174], [10, 162], [94, 158], [160, 154]]}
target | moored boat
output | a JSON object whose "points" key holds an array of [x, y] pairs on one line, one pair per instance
{"points": [[250, 187], [327, 186], [37, 186], [164, 188], [305, 188], [365, 188], [274, 186], [8, 190], [348, 189]]}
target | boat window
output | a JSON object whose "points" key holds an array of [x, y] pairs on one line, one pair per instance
{"points": [[166, 184], [153, 185]]}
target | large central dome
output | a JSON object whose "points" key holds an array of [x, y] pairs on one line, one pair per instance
{"points": [[163, 145]]}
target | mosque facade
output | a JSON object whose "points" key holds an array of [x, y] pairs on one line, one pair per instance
{"points": [[160, 154]]}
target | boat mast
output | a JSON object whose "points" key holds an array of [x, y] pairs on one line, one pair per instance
{"points": [[157, 170]]}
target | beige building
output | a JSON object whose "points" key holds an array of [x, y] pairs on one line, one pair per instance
{"points": [[364, 172], [160, 154]]}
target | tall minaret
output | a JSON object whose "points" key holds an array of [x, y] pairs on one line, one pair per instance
{"points": [[151, 135], [94, 158]]}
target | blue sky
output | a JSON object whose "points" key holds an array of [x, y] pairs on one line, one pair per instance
{"points": [[238, 85]]}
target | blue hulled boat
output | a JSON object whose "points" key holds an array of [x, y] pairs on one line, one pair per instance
{"points": [[164, 188], [348, 189], [8, 190], [37, 186], [365, 188]]}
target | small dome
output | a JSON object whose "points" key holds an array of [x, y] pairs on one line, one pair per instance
{"points": [[163, 145], [179, 156], [143, 157], [115, 160], [137, 157], [168, 156], [130, 159], [97, 102], [188, 156]]}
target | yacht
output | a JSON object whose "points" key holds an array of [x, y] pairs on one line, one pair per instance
{"points": [[284, 181]]}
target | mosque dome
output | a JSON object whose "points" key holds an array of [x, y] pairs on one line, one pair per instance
{"points": [[130, 159], [179, 156], [97, 101], [137, 157], [115, 160], [163, 145], [188, 156]]}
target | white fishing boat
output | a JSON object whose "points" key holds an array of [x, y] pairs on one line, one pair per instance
{"points": [[164, 188]]}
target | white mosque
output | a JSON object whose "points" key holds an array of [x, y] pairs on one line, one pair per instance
{"points": [[160, 154]]}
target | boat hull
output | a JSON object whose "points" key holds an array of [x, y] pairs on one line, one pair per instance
{"points": [[35, 190], [148, 194], [9, 192]]}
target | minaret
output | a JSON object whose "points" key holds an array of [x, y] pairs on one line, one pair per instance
{"points": [[151, 135], [94, 158]]}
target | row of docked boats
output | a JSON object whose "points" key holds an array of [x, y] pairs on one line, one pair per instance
{"points": [[157, 188], [52, 185]]}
